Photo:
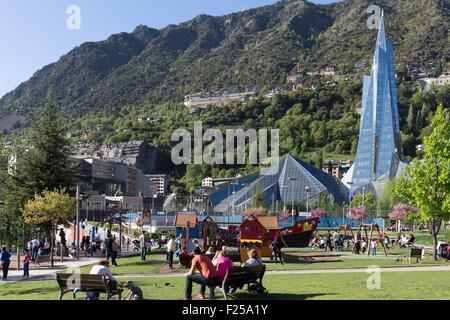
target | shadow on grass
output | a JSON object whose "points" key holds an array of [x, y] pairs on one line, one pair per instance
{"points": [[30, 291], [274, 296]]}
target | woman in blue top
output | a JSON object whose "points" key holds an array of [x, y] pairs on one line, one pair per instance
{"points": [[5, 258]]}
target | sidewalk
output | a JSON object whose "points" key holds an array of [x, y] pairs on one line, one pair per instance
{"points": [[47, 273]]}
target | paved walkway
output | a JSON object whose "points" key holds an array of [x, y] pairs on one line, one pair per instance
{"points": [[45, 273], [48, 272]]}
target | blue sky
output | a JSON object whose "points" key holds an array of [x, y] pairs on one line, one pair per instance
{"points": [[33, 33]]}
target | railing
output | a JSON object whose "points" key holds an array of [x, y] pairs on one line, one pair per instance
{"points": [[162, 220]]}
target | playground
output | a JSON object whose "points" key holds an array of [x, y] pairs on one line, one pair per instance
{"points": [[316, 274]]}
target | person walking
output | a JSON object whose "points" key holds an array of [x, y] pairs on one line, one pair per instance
{"points": [[5, 260], [328, 245], [26, 263], [143, 244], [115, 251], [108, 248], [34, 248], [171, 247], [276, 247], [357, 245], [87, 245], [62, 236]]}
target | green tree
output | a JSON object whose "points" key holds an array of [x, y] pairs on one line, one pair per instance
{"points": [[388, 198], [368, 200], [40, 163], [411, 120], [49, 209], [259, 198], [426, 183], [44, 165]]}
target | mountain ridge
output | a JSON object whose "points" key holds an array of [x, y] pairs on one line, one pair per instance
{"points": [[257, 46]]}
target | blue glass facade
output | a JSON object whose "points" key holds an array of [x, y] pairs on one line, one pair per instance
{"points": [[284, 182], [378, 144]]}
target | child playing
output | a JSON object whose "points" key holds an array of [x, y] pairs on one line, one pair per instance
{"points": [[374, 247], [364, 246], [26, 263]]}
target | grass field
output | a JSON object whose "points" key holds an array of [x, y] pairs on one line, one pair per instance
{"points": [[155, 263], [348, 286], [394, 286]]}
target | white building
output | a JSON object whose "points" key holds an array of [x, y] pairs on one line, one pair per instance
{"points": [[160, 183], [207, 182], [443, 80]]}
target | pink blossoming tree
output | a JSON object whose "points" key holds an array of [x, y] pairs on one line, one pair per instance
{"points": [[401, 211], [357, 213], [318, 213]]}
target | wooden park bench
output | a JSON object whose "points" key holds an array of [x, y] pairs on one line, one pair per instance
{"points": [[69, 282], [42, 259], [237, 277], [417, 253]]}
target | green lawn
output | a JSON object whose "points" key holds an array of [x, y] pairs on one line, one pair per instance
{"points": [[155, 263], [339, 286]]}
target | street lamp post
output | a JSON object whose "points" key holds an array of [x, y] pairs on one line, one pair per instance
{"points": [[307, 198], [292, 198], [350, 183], [78, 223], [363, 194], [284, 202]]}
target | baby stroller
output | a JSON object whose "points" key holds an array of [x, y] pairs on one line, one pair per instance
{"points": [[136, 245]]}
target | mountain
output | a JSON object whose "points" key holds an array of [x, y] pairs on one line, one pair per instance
{"points": [[259, 46]]}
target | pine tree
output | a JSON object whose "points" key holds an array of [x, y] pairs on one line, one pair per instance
{"points": [[411, 121], [259, 198], [41, 164], [44, 166]]}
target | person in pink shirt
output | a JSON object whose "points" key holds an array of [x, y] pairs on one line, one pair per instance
{"points": [[222, 264]]}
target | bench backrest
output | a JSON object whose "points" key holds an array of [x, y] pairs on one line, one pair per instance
{"points": [[81, 281], [45, 258], [243, 275], [416, 252]]}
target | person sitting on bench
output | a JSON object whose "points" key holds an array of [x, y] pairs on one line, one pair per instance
{"points": [[253, 259], [184, 256], [103, 269], [208, 274], [411, 240]]}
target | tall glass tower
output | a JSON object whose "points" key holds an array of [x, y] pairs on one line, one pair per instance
{"points": [[378, 149]]}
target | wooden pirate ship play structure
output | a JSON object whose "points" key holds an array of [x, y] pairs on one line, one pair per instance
{"points": [[300, 234], [255, 232]]}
